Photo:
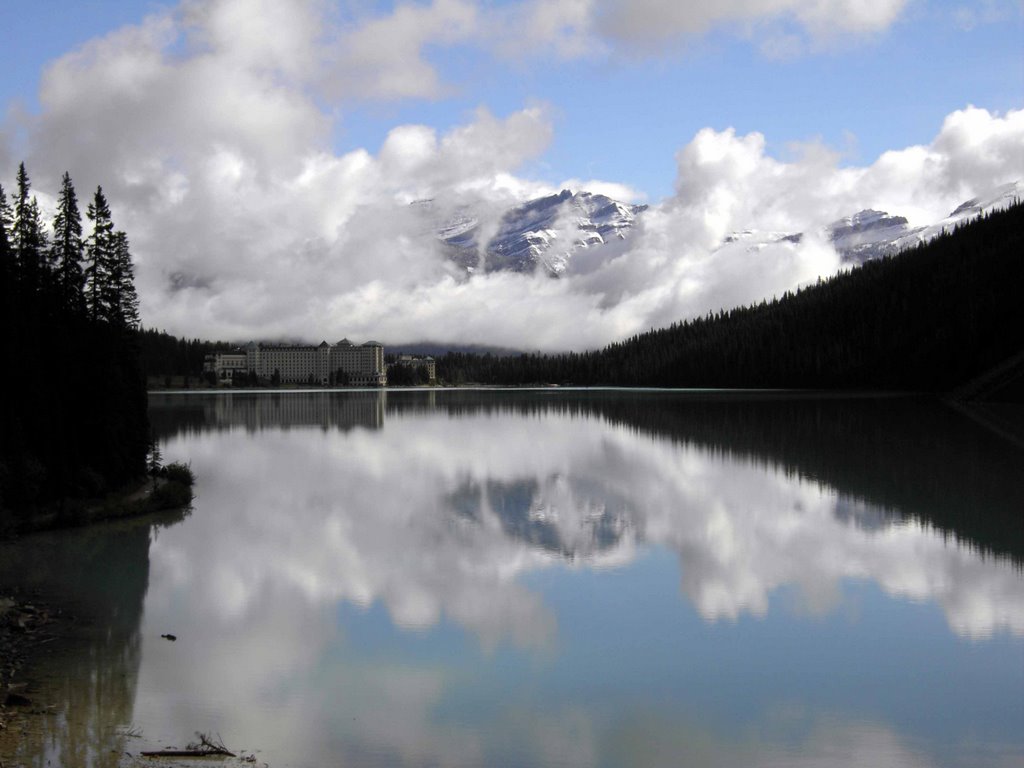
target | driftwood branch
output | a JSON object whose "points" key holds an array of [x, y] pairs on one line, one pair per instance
{"points": [[189, 753], [207, 746]]}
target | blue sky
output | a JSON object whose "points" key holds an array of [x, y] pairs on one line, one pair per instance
{"points": [[358, 105], [622, 117]]}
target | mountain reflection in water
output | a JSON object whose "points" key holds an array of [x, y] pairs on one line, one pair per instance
{"points": [[494, 578]]}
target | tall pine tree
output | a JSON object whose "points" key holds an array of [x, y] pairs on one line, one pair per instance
{"points": [[68, 249], [28, 236], [99, 252], [8, 267], [59, 442], [8, 283], [124, 302]]}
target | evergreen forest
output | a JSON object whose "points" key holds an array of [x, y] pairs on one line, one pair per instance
{"points": [[165, 356], [928, 319], [75, 427]]}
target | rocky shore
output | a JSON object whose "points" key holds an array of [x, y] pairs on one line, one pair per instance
{"points": [[30, 631], [27, 628]]}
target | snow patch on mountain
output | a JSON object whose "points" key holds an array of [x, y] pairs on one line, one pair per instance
{"points": [[867, 235], [755, 240], [544, 233], [872, 234], [575, 233]]}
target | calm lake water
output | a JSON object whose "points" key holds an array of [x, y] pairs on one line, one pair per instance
{"points": [[553, 578]]}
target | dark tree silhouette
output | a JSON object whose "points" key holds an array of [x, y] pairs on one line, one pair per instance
{"points": [[67, 250], [165, 355], [928, 319], [79, 428], [98, 257], [123, 309], [27, 236], [8, 266]]}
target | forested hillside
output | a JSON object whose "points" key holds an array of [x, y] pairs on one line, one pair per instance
{"points": [[167, 355], [74, 425], [929, 319]]}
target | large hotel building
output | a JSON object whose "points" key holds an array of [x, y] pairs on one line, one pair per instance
{"points": [[360, 365]]}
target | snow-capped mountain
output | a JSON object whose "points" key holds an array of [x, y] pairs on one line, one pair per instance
{"points": [[556, 514], [871, 234], [546, 233], [542, 233], [867, 235], [757, 239]]}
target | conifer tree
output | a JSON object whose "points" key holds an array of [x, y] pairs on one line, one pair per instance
{"points": [[28, 236], [56, 441], [124, 304], [155, 460], [67, 250], [98, 257], [20, 201], [8, 270]]}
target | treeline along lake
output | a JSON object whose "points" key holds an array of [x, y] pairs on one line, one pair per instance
{"points": [[76, 427]]}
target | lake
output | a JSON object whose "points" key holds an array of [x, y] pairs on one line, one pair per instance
{"points": [[551, 578]]}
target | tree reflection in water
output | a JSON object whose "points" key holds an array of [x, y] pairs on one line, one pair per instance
{"points": [[493, 578]]}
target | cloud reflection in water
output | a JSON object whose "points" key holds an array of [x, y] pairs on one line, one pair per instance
{"points": [[434, 516], [380, 591]]}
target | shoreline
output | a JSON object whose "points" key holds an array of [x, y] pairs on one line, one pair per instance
{"points": [[27, 625], [35, 633], [40, 629], [145, 496], [30, 620]]}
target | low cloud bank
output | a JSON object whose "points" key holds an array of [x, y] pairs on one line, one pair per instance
{"points": [[213, 142]]}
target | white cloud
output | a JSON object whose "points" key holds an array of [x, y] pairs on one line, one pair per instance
{"points": [[727, 184], [595, 28], [469, 157], [281, 39], [382, 57], [969, 17], [304, 539], [537, 27], [613, 189], [423, 473], [208, 134], [973, 149], [641, 22]]}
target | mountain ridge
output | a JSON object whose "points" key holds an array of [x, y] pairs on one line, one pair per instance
{"points": [[545, 233], [871, 234], [541, 233], [928, 320]]}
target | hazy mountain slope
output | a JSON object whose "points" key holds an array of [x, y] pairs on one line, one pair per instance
{"points": [[929, 319], [547, 232], [541, 233], [870, 234]]}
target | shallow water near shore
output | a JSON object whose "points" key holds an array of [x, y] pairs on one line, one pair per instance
{"points": [[550, 578]]}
